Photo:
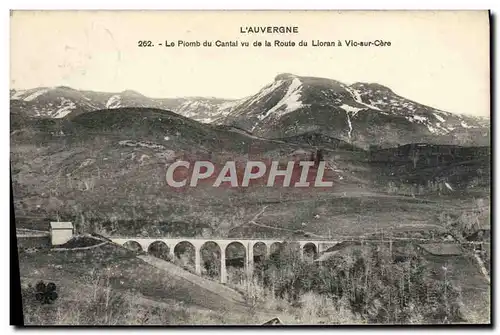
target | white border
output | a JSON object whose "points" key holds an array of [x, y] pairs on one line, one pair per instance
{"points": [[186, 4]]}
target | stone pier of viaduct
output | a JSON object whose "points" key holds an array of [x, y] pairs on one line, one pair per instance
{"points": [[197, 244]]}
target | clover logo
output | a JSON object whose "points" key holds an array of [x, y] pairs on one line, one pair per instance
{"points": [[46, 294]]}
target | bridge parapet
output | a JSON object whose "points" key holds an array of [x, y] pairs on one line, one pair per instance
{"points": [[222, 243]]}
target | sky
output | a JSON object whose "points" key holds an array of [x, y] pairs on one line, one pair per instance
{"points": [[440, 59]]}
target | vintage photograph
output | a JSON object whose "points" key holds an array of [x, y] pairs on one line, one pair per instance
{"points": [[262, 168]]}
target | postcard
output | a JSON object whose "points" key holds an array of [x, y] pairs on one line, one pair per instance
{"points": [[254, 168]]}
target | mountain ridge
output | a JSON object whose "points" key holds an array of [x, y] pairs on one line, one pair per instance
{"points": [[292, 105], [362, 114], [59, 101]]}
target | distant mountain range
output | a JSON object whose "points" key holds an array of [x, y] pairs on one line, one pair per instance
{"points": [[57, 102], [361, 114]]}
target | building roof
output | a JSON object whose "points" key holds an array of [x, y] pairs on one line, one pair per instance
{"points": [[61, 225], [273, 322]]}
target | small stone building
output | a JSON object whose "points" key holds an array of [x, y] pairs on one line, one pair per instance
{"points": [[60, 232]]}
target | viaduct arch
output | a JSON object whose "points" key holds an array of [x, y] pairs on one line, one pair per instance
{"points": [[249, 245]]}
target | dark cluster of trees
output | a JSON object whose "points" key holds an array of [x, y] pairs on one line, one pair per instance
{"points": [[375, 286]]}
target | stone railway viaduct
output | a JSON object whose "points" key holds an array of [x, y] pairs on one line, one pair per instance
{"points": [[144, 244]]}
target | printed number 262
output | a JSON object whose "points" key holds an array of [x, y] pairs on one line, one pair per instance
{"points": [[145, 44]]}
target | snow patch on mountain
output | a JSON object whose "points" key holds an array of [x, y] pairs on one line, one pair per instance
{"points": [[113, 102], [227, 107], [444, 130], [204, 110], [438, 117], [292, 97], [66, 107], [36, 94], [350, 126], [465, 125], [438, 129], [291, 100], [416, 118], [62, 112], [18, 94], [350, 109], [432, 129], [357, 97], [206, 120]]}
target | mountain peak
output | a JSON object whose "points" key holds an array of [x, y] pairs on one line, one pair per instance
{"points": [[65, 88], [284, 76]]}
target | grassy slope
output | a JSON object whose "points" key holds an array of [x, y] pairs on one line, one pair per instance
{"points": [[123, 270], [87, 176], [79, 274]]}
